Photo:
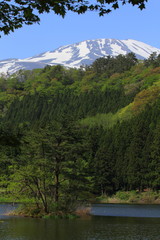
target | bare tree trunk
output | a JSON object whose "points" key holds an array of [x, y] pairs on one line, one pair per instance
{"points": [[56, 196], [42, 196], [35, 195]]}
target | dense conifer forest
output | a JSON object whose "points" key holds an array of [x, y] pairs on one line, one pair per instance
{"points": [[68, 135]]}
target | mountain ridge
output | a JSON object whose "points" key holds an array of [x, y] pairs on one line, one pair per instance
{"points": [[78, 54]]}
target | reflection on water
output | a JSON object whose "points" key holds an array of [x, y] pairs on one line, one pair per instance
{"points": [[5, 209], [89, 228]]}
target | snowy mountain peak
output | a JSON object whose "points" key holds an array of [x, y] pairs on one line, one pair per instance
{"points": [[82, 53]]}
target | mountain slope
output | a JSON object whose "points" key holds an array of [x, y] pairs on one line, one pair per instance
{"points": [[83, 53], [120, 133]]}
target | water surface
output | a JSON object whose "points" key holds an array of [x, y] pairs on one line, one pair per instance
{"points": [[126, 210], [88, 228]]}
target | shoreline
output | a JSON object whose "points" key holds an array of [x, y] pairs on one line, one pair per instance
{"points": [[131, 197], [29, 209], [81, 212]]}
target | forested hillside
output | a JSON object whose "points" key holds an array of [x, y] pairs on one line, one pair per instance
{"points": [[70, 134]]}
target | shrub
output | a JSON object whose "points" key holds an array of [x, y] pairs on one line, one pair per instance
{"points": [[123, 195]]}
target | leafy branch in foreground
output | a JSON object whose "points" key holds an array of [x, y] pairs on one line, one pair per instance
{"points": [[13, 14]]}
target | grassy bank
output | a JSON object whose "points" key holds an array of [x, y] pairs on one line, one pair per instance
{"points": [[30, 210], [146, 197], [11, 197]]}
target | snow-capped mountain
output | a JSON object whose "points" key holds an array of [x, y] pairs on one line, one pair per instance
{"points": [[82, 53]]}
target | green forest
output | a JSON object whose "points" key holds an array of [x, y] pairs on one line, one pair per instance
{"points": [[69, 135]]}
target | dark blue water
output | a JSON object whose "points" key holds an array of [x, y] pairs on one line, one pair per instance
{"points": [[126, 210], [5, 209], [88, 228]]}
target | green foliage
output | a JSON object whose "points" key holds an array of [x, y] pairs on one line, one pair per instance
{"points": [[52, 165], [68, 134], [146, 197], [109, 120], [110, 65], [122, 195], [153, 60]]}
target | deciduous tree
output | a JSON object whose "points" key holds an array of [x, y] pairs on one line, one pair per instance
{"points": [[15, 13]]}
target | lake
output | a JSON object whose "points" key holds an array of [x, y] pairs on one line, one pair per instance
{"points": [[108, 222]]}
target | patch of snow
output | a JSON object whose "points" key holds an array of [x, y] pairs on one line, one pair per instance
{"points": [[140, 48], [117, 49], [83, 49], [73, 55]]}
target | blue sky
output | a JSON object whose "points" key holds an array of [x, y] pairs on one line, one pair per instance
{"points": [[125, 23]]}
